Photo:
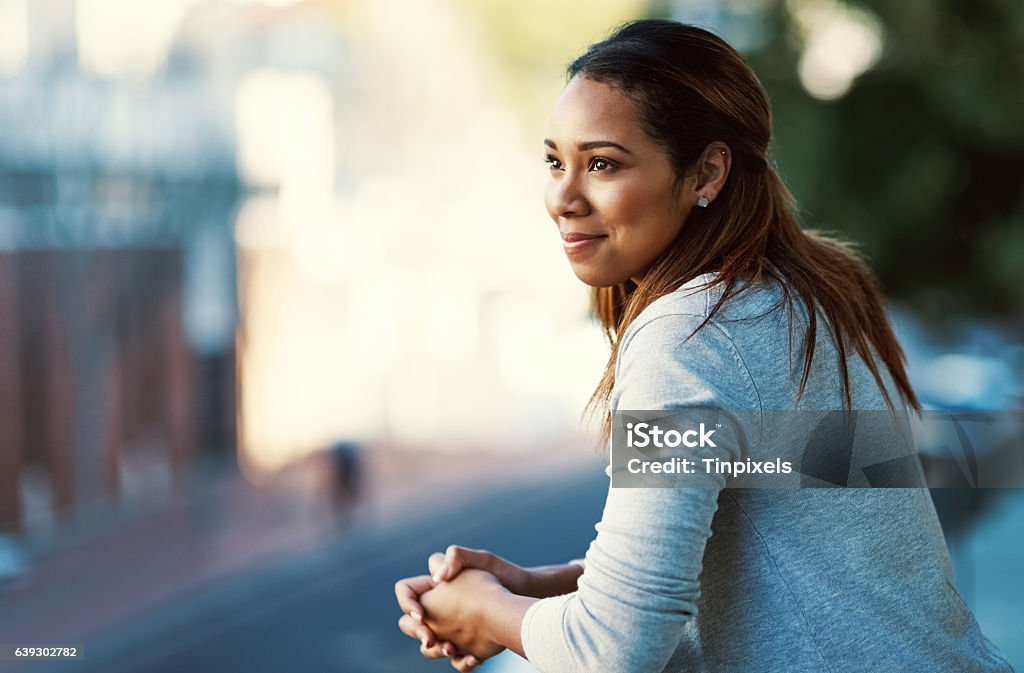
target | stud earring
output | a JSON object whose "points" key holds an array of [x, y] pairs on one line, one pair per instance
{"points": [[703, 201]]}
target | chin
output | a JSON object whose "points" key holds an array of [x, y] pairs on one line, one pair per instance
{"points": [[598, 278]]}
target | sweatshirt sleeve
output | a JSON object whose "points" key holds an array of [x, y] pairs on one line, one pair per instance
{"points": [[640, 584]]}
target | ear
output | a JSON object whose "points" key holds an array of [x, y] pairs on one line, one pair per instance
{"points": [[712, 170]]}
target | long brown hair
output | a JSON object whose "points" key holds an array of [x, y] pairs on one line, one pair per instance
{"points": [[692, 89]]}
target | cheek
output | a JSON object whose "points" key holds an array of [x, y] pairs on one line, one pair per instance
{"points": [[648, 222], [624, 206], [647, 212]]}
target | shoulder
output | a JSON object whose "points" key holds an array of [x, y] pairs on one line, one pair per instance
{"points": [[672, 355], [732, 323], [697, 297]]}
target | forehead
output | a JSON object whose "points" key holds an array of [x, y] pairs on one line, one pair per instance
{"points": [[589, 110]]}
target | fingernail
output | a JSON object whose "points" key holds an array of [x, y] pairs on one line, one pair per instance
{"points": [[471, 661], [415, 615], [424, 641], [447, 649], [438, 575]]}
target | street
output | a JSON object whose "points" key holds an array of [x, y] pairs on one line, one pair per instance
{"points": [[333, 610]]}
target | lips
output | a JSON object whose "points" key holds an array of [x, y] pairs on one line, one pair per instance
{"points": [[574, 236], [578, 243]]}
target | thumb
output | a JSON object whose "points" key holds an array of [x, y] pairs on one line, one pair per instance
{"points": [[435, 565], [457, 558]]}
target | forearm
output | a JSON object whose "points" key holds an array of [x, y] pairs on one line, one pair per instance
{"points": [[552, 580], [501, 618]]}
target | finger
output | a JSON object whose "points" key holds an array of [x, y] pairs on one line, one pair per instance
{"points": [[451, 565], [435, 564], [457, 558], [415, 629], [408, 591], [434, 652], [465, 664]]}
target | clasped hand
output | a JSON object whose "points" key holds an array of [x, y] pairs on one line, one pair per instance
{"points": [[443, 609]]}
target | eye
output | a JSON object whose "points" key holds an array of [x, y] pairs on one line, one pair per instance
{"points": [[600, 164], [553, 163]]}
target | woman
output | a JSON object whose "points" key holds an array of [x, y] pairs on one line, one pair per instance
{"points": [[668, 206]]}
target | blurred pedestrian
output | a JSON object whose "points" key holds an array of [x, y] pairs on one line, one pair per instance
{"points": [[346, 478]]}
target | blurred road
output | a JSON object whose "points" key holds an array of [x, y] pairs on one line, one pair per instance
{"points": [[332, 608]]}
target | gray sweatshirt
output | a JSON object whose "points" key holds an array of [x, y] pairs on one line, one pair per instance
{"points": [[723, 579]]}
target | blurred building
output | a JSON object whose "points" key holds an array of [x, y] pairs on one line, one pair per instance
{"points": [[267, 226], [118, 186]]}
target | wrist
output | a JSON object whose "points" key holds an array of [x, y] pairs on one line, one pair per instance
{"points": [[484, 607], [553, 580], [500, 618], [511, 576], [520, 580]]}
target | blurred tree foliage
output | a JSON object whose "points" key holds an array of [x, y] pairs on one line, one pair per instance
{"points": [[922, 161]]}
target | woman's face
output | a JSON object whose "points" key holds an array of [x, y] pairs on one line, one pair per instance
{"points": [[613, 192]]}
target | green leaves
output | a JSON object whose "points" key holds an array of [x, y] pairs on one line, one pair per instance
{"points": [[923, 159]]}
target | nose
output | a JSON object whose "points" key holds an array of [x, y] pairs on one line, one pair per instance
{"points": [[565, 197]]}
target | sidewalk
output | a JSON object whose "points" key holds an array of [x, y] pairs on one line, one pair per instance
{"points": [[226, 525]]}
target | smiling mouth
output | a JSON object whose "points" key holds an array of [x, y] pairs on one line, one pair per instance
{"points": [[575, 236], [578, 243]]}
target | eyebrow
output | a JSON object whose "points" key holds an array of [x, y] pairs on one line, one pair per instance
{"points": [[589, 145]]}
